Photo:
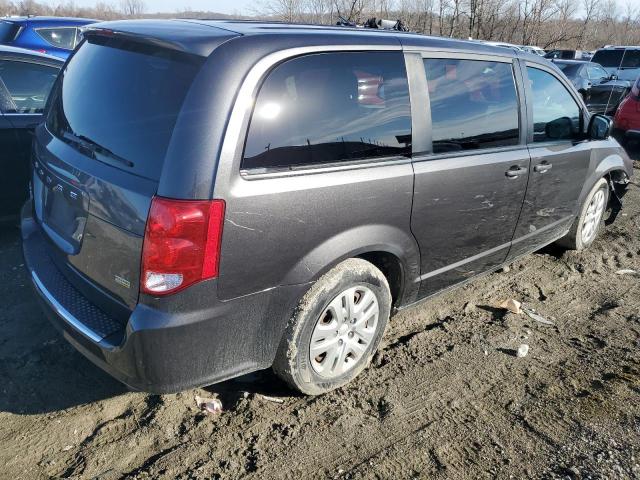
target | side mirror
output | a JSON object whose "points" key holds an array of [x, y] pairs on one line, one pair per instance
{"points": [[599, 127], [613, 76], [560, 128]]}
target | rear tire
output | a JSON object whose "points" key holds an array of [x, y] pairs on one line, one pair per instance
{"points": [[589, 221], [343, 317]]}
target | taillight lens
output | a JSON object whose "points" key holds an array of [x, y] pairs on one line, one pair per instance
{"points": [[181, 244]]}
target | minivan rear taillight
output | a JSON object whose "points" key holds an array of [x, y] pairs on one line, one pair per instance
{"points": [[181, 244]]}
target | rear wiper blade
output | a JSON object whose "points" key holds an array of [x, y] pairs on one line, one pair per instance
{"points": [[94, 147]]}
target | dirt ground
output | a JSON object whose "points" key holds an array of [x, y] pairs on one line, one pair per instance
{"points": [[445, 398]]}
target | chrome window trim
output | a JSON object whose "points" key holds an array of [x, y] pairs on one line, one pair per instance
{"points": [[486, 57]]}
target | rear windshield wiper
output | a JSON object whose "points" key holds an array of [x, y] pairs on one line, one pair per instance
{"points": [[95, 148]]}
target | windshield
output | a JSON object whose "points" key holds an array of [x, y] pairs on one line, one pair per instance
{"points": [[608, 58], [569, 69], [118, 101], [8, 31]]}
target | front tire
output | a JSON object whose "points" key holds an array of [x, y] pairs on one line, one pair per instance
{"points": [[336, 329], [589, 221]]}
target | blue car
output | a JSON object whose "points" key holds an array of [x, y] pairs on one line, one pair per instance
{"points": [[56, 36]]}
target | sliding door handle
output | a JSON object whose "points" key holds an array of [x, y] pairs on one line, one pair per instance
{"points": [[516, 171], [542, 167]]}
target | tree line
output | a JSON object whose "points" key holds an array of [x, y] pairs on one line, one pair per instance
{"points": [[575, 24], [572, 24]]}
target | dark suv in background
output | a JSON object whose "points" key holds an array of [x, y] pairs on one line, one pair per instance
{"points": [[621, 62], [215, 197]]}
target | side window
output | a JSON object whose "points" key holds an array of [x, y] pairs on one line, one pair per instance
{"points": [[631, 59], [474, 104], [59, 37], [330, 107], [556, 115], [28, 85]]}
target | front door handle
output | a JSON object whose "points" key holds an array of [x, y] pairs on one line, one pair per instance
{"points": [[516, 171], [542, 167]]}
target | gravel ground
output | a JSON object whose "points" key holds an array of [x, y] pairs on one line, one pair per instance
{"points": [[447, 397]]}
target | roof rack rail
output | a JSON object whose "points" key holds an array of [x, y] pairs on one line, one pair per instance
{"points": [[375, 23]]}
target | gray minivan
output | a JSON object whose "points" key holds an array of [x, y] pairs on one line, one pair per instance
{"points": [[210, 198]]}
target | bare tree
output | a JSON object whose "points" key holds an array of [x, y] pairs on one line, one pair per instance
{"points": [[132, 8]]}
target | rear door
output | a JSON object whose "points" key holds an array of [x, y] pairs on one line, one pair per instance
{"points": [[25, 87], [100, 155], [559, 159], [471, 180]]}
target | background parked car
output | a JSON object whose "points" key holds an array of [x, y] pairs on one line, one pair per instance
{"points": [[568, 54], [26, 77], [627, 119], [533, 49], [56, 36], [623, 62], [501, 44], [601, 91]]}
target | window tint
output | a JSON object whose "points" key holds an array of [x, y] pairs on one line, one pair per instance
{"points": [[473, 104], [330, 107], [608, 58], [28, 85], [124, 98], [59, 37], [556, 116], [631, 59]]}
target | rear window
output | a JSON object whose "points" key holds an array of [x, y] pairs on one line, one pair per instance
{"points": [[328, 108], [64, 37], [120, 100], [569, 69], [608, 58], [8, 31]]}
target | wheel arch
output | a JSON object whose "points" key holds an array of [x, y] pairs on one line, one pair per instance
{"points": [[611, 167], [392, 250]]}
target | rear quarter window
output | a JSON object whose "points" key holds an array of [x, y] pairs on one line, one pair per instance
{"points": [[64, 37], [328, 108]]}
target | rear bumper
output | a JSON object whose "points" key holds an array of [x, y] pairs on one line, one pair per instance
{"points": [[167, 345]]}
